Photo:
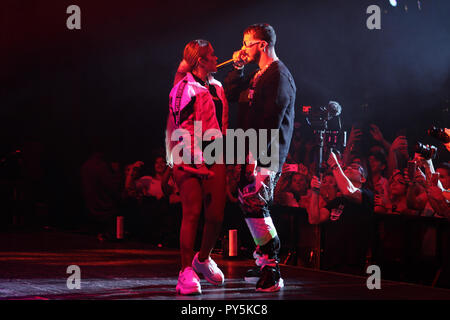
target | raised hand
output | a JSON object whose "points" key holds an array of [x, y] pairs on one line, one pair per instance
{"points": [[332, 160], [315, 183], [400, 145], [355, 136], [376, 133]]}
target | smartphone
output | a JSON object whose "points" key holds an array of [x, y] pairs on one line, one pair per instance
{"points": [[412, 167]]}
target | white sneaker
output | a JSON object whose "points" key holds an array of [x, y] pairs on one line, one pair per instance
{"points": [[209, 269], [188, 282]]}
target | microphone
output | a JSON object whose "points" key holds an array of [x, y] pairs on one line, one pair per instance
{"points": [[224, 63]]}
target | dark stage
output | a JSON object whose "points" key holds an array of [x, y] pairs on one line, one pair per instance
{"points": [[101, 91], [33, 266]]}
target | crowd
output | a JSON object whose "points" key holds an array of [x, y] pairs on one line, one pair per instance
{"points": [[148, 195], [421, 191], [356, 181], [144, 194]]}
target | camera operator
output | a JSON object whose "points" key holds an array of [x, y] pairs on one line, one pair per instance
{"points": [[346, 220]]}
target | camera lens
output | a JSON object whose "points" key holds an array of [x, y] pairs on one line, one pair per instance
{"points": [[428, 152], [439, 134]]}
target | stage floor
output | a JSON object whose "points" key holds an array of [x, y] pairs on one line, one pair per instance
{"points": [[33, 266]]}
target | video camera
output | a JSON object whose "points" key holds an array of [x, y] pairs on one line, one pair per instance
{"points": [[426, 151], [318, 119], [326, 125], [430, 151], [439, 133]]}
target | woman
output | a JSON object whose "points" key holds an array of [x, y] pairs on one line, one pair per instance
{"points": [[398, 195], [291, 190], [376, 181], [197, 97]]}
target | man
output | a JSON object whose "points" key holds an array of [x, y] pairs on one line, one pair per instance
{"points": [[346, 219], [266, 100]]}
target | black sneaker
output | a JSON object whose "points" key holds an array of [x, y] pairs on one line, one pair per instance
{"points": [[270, 280], [252, 275]]}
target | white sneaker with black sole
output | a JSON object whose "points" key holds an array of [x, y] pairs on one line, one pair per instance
{"points": [[270, 280]]}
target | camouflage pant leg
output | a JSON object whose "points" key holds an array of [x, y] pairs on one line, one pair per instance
{"points": [[255, 199]]}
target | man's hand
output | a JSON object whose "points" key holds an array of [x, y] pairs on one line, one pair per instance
{"points": [[427, 163], [132, 168], [240, 58], [315, 183], [435, 193], [332, 160]]}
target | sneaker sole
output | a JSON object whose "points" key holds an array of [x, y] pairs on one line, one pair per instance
{"points": [[216, 283], [274, 288], [189, 292]]}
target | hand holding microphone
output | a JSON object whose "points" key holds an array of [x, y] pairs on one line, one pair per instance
{"points": [[239, 60]]}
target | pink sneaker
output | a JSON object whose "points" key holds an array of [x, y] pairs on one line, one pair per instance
{"points": [[188, 282], [209, 269]]}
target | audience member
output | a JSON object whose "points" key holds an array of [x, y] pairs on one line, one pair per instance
{"points": [[329, 190], [101, 192], [444, 174], [291, 189], [157, 200], [377, 136], [397, 200], [376, 181], [347, 220], [398, 153], [438, 201]]}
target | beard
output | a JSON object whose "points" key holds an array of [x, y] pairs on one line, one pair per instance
{"points": [[256, 57]]}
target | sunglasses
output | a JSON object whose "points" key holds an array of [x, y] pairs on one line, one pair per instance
{"points": [[250, 44]]}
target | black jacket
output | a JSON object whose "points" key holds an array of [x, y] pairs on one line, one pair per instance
{"points": [[272, 105]]}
